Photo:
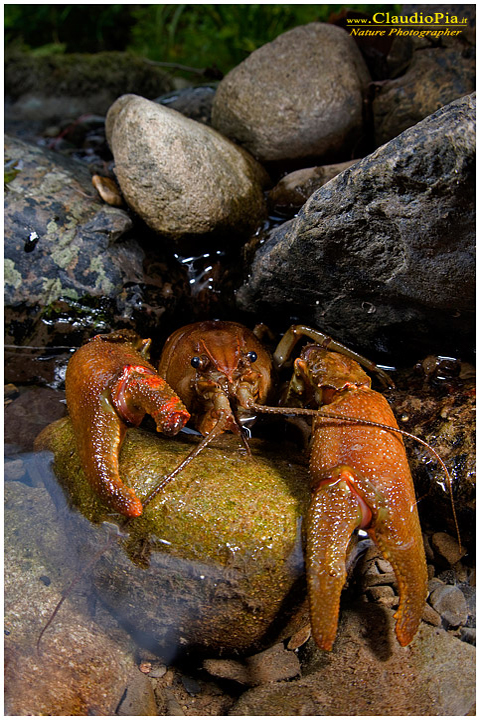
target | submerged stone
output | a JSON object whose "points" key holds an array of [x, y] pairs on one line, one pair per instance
{"points": [[214, 560]]}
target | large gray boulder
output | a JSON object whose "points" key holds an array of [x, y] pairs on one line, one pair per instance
{"points": [[299, 96], [182, 177], [382, 256]]}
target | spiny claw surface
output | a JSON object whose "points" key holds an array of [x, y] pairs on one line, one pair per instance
{"points": [[109, 385], [357, 468]]}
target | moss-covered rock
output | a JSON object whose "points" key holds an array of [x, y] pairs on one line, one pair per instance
{"points": [[215, 562]]}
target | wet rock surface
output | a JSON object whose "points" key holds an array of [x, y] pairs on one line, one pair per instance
{"points": [[59, 237], [214, 559], [440, 408], [387, 244], [299, 96], [73, 264], [80, 666], [162, 158]]}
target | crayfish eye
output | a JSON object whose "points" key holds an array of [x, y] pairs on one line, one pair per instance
{"points": [[252, 355], [199, 362]]}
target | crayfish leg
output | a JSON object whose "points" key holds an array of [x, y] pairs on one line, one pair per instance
{"points": [[333, 515]]}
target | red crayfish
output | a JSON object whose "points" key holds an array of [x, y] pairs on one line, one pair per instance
{"points": [[219, 374]]}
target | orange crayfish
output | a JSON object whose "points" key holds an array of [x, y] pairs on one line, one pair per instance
{"points": [[218, 369], [219, 374]]}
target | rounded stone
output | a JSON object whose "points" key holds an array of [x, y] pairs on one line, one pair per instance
{"points": [[298, 96], [212, 561], [182, 177], [450, 603]]}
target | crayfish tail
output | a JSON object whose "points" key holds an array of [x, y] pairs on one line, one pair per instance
{"points": [[333, 515]]}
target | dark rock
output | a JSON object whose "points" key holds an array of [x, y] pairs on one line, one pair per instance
{"points": [[193, 102], [139, 699], [382, 257], [403, 48], [70, 267], [443, 414], [447, 547], [450, 604], [435, 77]]}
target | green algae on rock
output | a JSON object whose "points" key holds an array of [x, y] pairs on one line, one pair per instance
{"points": [[214, 560]]}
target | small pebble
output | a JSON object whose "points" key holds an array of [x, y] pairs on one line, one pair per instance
{"points": [[299, 638], [384, 566], [271, 665], [429, 554], [468, 635], [191, 686], [450, 603], [378, 579], [431, 571], [157, 671], [447, 547], [380, 592], [431, 616], [227, 669], [435, 583], [10, 392], [108, 190]]}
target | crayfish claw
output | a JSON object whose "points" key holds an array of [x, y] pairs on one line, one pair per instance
{"points": [[333, 515]]}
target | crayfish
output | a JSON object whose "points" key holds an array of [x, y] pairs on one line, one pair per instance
{"points": [[219, 375]]}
